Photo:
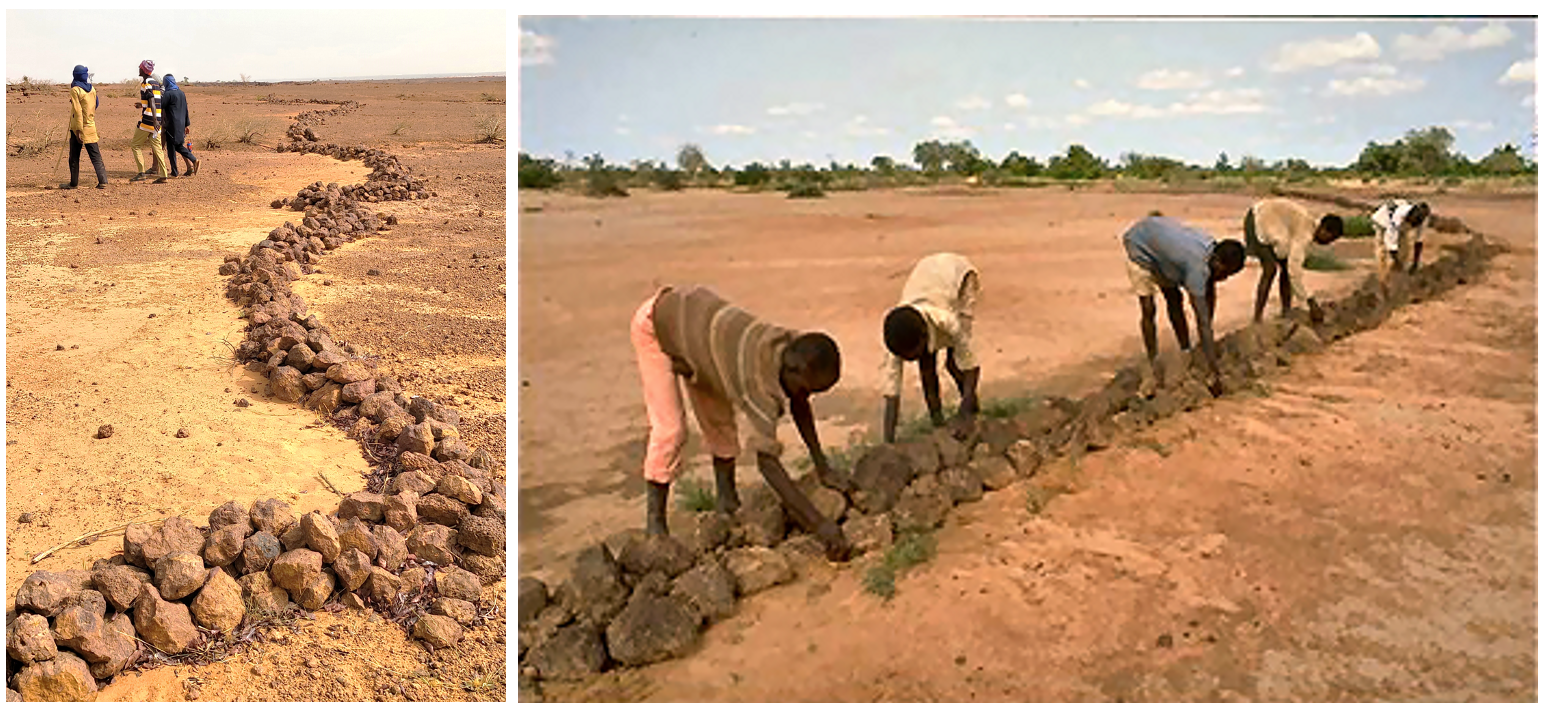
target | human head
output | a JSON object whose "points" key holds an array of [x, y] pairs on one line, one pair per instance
{"points": [[906, 333], [1331, 227], [1418, 214], [811, 364], [1227, 259], [169, 81], [80, 73], [146, 68]]}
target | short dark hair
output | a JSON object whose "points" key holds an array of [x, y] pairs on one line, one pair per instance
{"points": [[905, 330], [1333, 225], [815, 356], [1229, 255], [1419, 213]]}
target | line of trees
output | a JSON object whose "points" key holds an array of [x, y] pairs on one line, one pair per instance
{"points": [[1425, 152]]}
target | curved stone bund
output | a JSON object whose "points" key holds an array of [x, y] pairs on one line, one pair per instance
{"points": [[181, 586], [636, 600]]}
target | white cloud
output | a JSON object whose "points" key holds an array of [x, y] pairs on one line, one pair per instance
{"points": [[859, 127], [1447, 39], [624, 130], [973, 103], [1016, 100], [1314, 53], [535, 48], [1169, 79], [1111, 108], [1009, 127], [1082, 83], [1520, 72], [1235, 72], [730, 129], [947, 127], [1041, 122], [1076, 119], [1376, 83], [809, 135], [1322, 120], [1481, 126], [795, 109], [1379, 69], [1221, 102]]}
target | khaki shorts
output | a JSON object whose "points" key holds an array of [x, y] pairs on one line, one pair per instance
{"points": [[1143, 283]]}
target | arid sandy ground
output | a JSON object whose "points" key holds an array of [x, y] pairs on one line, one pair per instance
{"points": [[125, 279], [1366, 530]]}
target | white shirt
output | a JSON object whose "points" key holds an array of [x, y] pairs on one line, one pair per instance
{"points": [[1390, 221]]}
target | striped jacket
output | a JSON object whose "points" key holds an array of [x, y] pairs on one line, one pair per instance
{"points": [[726, 352], [149, 104]]}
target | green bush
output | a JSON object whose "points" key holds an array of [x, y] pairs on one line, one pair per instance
{"points": [[693, 496], [669, 180], [911, 549], [538, 174], [604, 183], [806, 190], [1324, 261], [1359, 226]]}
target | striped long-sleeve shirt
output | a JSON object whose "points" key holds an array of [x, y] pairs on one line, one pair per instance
{"points": [[149, 104], [727, 352]]}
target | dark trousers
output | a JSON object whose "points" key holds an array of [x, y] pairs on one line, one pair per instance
{"points": [[94, 152], [172, 151]]}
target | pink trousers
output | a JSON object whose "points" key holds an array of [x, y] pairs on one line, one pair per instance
{"points": [[667, 416]]}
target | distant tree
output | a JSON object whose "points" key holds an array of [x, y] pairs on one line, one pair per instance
{"points": [[1504, 160], [883, 164], [1250, 164], [690, 159], [1222, 163], [753, 175], [537, 173], [600, 180], [1018, 165], [929, 155], [1078, 163], [963, 158], [1427, 151]]}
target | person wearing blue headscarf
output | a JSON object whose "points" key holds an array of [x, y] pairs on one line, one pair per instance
{"points": [[174, 116], [83, 133]]}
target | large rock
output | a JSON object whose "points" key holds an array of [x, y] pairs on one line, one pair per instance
{"points": [[176, 534], [313, 593], [651, 629], [573, 652], [433, 543], [356, 392], [830, 503], [650, 554], [457, 487], [951, 452], [391, 548], [286, 384], [47, 593], [258, 552], [218, 605], [960, 484], [134, 537], [463, 612], [596, 584], [178, 574], [272, 516], [366, 506], [119, 584], [456, 583], [228, 514], [995, 472], [326, 399], [483, 535], [28, 639], [438, 631], [761, 517], [707, 590], [225, 544], [417, 481], [441, 510], [416, 438], [922, 453], [118, 647], [1025, 457], [707, 531], [293, 569], [531, 600], [165, 625], [352, 568], [756, 569], [350, 371], [66, 678], [880, 475], [321, 536], [259, 592], [401, 510], [382, 586], [356, 534], [923, 505], [489, 568], [374, 405], [869, 533]]}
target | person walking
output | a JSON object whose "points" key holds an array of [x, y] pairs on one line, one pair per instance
{"points": [[174, 131], [83, 133], [148, 132]]}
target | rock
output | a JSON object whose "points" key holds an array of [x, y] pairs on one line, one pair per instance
{"points": [[401, 510], [961, 484], [483, 535], [391, 548], [573, 652], [326, 399], [258, 552], [532, 598], [356, 392], [416, 481], [481, 459], [218, 605], [441, 510], [951, 452], [706, 531], [372, 405], [1303, 340], [651, 629], [352, 601], [707, 590], [104, 432], [46, 593], [830, 503], [300, 357], [756, 569], [258, 592], [392, 426], [134, 537], [225, 544], [488, 568], [437, 630], [995, 472], [433, 543], [292, 569], [997, 435], [456, 583], [352, 569], [286, 384], [165, 625], [416, 438], [28, 639], [880, 475], [119, 584], [923, 505], [534, 696], [315, 590], [321, 536], [456, 487], [463, 612], [381, 586], [1025, 457], [272, 516], [619, 540], [365, 506], [118, 647], [176, 534], [357, 535], [66, 678], [922, 453], [761, 517], [423, 409], [649, 554], [414, 578], [596, 584], [350, 371], [231, 513], [450, 448], [178, 574], [869, 533]]}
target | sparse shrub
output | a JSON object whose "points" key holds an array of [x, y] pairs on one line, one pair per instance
{"points": [[806, 190], [754, 175], [669, 180], [248, 130], [1359, 226], [488, 129], [1324, 261], [489, 98], [695, 496], [537, 173], [911, 549], [400, 128]]}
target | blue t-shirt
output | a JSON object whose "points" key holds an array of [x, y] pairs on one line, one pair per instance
{"points": [[1172, 251]]}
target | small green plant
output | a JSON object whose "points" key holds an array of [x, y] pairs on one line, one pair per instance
{"points": [[1004, 408], [806, 190], [694, 496], [1359, 226], [488, 129], [913, 548], [1324, 262]]}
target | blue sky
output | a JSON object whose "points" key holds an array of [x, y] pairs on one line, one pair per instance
{"points": [[848, 89]]}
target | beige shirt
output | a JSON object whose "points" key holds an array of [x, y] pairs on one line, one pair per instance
{"points": [[1286, 228], [944, 287]]}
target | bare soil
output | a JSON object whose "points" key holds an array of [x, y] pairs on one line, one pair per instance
{"points": [[1365, 529], [125, 280]]}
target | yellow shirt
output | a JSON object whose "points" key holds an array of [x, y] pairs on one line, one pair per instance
{"points": [[944, 287], [83, 114], [1287, 229]]}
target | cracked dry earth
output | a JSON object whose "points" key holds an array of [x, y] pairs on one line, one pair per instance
{"points": [[1364, 527], [126, 281]]}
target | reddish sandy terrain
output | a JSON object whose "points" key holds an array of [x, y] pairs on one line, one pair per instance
{"points": [[125, 280], [1363, 527]]}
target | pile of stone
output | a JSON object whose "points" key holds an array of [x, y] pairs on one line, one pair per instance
{"points": [[636, 599], [437, 538]]}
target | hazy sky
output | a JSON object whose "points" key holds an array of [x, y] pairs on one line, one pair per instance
{"points": [[818, 89], [268, 45]]}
